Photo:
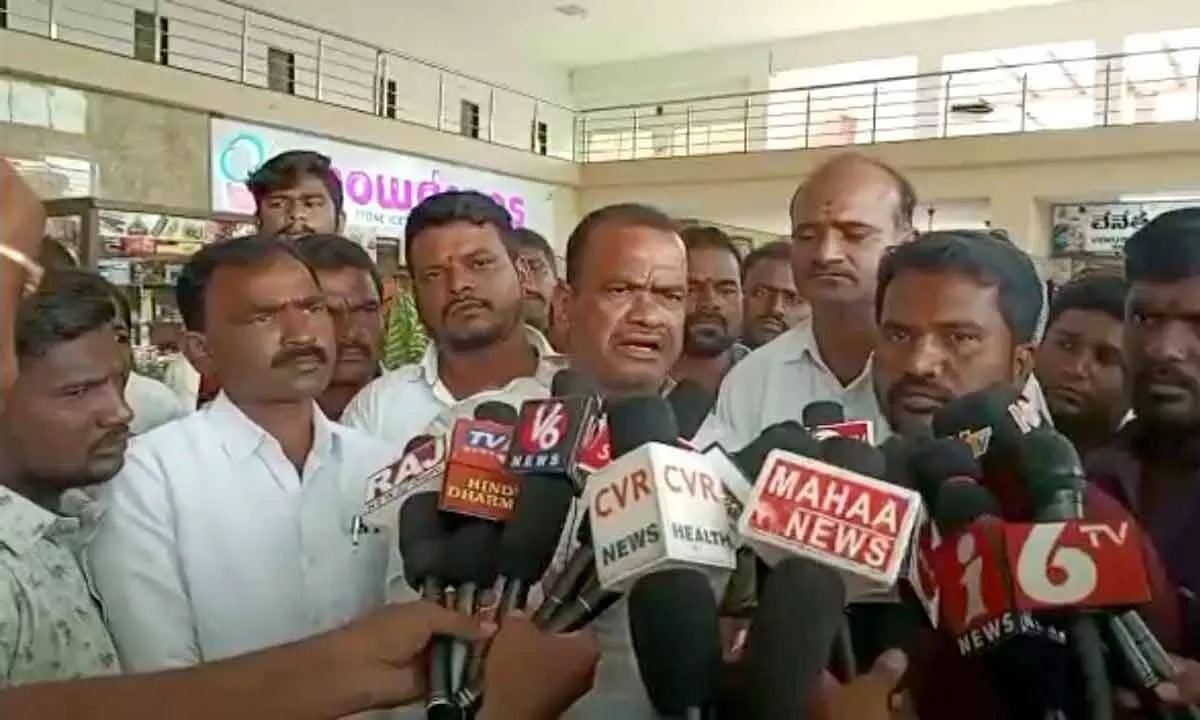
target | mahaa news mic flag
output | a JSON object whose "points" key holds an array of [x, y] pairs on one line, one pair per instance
{"points": [[858, 525]]}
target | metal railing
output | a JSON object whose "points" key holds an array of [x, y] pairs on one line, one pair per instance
{"points": [[229, 41], [1152, 87], [222, 39]]}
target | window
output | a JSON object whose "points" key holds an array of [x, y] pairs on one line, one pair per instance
{"points": [[281, 71], [843, 104], [390, 94], [469, 119], [541, 137], [1036, 87], [146, 33], [1159, 77]]}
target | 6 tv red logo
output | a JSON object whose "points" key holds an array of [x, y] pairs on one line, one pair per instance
{"points": [[990, 569], [546, 428]]}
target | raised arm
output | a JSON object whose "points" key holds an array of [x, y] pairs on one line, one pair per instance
{"points": [[22, 222]]}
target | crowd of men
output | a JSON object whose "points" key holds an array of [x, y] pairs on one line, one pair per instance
{"points": [[218, 559]]}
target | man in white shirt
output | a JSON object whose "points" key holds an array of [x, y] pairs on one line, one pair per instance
{"points": [[625, 298], [845, 216], [235, 528], [462, 254]]}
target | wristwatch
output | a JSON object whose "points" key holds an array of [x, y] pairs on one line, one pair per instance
{"points": [[33, 271]]}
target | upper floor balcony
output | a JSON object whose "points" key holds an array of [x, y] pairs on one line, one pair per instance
{"points": [[989, 95]]}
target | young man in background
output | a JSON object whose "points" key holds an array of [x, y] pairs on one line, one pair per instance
{"points": [[353, 291], [771, 305]]}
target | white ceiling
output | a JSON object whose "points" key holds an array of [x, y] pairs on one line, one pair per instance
{"points": [[613, 30]]}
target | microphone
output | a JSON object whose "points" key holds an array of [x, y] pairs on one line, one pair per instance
{"points": [[788, 644], [971, 601], [476, 496], [1055, 481], [655, 506], [677, 642], [855, 456], [424, 540], [824, 418], [857, 524], [691, 402], [822, 412], [419, 467], [549, 432], [475, 482]]}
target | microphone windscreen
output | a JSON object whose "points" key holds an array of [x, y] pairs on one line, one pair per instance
{"points": [[690, 402], [897, 454], [1051, 464], [983, 409], [531, 535], [496, 411], [639, 419], [568, 382], [822, 412], [789, 643], [421, 536], [472, 554], [673, 623], [789, 436], [961, 503], [934, 461], [853, 455]]}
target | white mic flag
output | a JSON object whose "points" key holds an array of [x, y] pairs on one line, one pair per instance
{"points": [[654, 508]]}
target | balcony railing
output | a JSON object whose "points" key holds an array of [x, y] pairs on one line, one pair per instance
{"points": [[222, 39], [1150, 87], [229, 41]]}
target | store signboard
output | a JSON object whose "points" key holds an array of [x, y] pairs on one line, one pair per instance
{"points": [[381, 187], [1101, 228]]}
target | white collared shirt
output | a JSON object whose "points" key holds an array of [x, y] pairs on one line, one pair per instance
{"points": [[775, 382], [404, 402], [153, 403], [213, 545]]}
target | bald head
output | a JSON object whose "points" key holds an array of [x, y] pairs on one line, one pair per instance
{"points": [[851, 169], [844, 216]]}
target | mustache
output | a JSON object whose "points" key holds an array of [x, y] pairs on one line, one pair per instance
{"points": [[465, 302], [1164, 373], [914, 386], [355, 346], [120, 434], [705, 318], [291, 355], [771, 318]]}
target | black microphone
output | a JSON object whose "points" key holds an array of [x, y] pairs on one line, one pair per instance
{"points": [[633, 421], [822, 412], [424, 539], [527, 546], [1029, 676], [1055, 481], [788, 644], [859, 457], [691, 403], [677, 642]]}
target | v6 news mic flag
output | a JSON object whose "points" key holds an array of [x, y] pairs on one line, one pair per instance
{"points": [[476, 483], [857, 525], [549, 434], [1052, 566], [654, 508]]}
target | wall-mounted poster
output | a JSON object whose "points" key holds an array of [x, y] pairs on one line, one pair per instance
{"points": [[1101, 228]]}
